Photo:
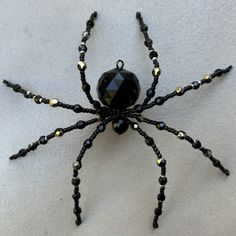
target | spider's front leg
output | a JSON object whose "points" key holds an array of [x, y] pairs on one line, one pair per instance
{"points": [[78, 165], [53, 102], [179, 91], [196, 144], [57, 133], [161, 162]]}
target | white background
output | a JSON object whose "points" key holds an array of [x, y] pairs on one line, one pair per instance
{"points": [[38, 49]]}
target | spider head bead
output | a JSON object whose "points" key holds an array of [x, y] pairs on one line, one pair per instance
{"points": [[118, 88]]}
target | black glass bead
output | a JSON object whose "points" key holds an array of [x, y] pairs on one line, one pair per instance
{"points": [[160, 125], [216, 163], [195, 84], [148, 43], [22, 152], [149, 141], [120, 125], [155, 225], [16, 87], [101, 128], [38, 99], [161, 197], [207, 153], [88, 143], [118, 88], [78, 220], [158, 211], [82, 48], [197, 144], [96, 105], [144, 27], [153, 54], [77, 108], [77, 211], [86, 87], [75, 181], [162, 163], [80, 124], [43, 140], [138, 108], [150, 93], [138, 15], [76, 196], [159, 100], [162, 180]]}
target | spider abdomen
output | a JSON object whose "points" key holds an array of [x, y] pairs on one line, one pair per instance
{"points": [[118, 88]]}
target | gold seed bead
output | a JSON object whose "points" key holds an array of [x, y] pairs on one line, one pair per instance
{"points": [[179, 90], [181, 135], [82, 65], [156, 71], [58, 133], [207, 77], [158, 161], [76, 166], [53, 102]]}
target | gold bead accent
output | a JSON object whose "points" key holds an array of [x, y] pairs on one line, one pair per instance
{"points": [[82, 65], [181, 135], [156, 71], [179, 90], [76, 166], [53, 102], [207, 77], [58, 133], [158, 161]]}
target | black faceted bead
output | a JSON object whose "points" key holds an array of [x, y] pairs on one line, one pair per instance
{"points": [[22, 152], [118, 88], [161, 197], [149, 141], [77, 211], [78, 220], [76, 196], [77, 108], [195, 84], [158, 211], [155, 225], [16, 87], [120, 125], [197, 144], [144, 27], [101, 128], [82, 48], [88, 143], [207, 153], [80, 124], [75, 181], [150, 93], [148, 43], [162, 163], [38, 99], [159, 100], [43, 140], [86, 87], [161, 125], [153, 54], [216, 163], [162, 180], [138, 108]]}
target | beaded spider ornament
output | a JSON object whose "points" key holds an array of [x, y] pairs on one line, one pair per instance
{"points": [[119, 89]]}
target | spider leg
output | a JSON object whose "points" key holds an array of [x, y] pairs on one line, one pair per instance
{"points": [[78, 165], [52, 102], [161, 162], [57, 133], [179, 91], [153, 56], [196, 144], [82, 64]]}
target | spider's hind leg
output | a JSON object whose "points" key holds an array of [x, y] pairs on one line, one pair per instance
{"points": [[161, 162]]}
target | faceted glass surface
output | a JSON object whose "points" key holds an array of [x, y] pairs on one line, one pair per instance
{"points": [[118, 89]]}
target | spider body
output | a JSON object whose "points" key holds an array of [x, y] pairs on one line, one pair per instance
{"points": [[119, 89]]}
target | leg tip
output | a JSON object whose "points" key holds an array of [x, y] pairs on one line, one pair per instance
{"points": [[78, 221], [13, 157], [155, 225], [226, 172], [95, 14], [138, 15], [229, 68]]}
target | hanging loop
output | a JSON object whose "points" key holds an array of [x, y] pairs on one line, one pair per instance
{"points": [[119, 64]]}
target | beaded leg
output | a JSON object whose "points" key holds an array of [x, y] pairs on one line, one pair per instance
{"points": [[161, 162], [78, 165], [179, 91], [43, 140], [196, 144], [82, 64], [153, 56], [53, 102]]}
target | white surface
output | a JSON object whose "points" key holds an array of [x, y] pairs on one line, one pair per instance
{"points": [[38, 49]]}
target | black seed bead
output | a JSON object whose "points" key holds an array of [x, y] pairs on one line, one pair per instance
{"points": [[155, 225], [160, 125], [149, 141], [216, 163], [96, 105], [90, 24], [207, 153], [76, 196], [156, 63], [159, 100], [163, 171], [160, 204], [78, 221], [161, 197], [148, 42], [16, 87], [43, 140], [101, 128], [22, 152], [197, 144], [86, 87], [158, 211], [150, 93], [38, 99], [83, 48], [195, 84], [162, 163], [80, 124], [138, 15], [153, 54], [33, 146], [77, 211], [138, 108], [226, 172], [162, 180], [144, 27], [75, 181], [88, 143], [77, 108]]}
